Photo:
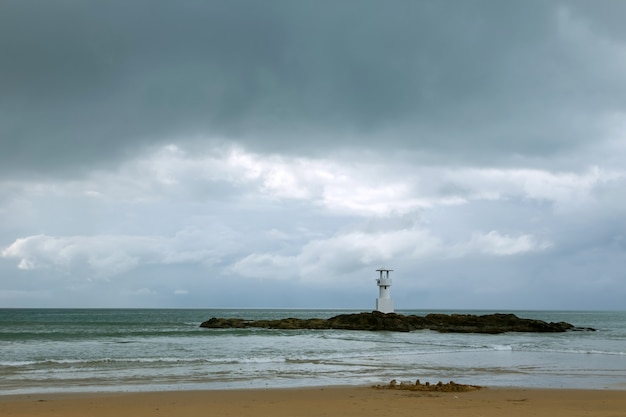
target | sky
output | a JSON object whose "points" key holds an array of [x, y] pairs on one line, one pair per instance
{"points": [[274, 154]]}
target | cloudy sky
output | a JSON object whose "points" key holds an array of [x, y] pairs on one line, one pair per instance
{"points": [[271, 154]]}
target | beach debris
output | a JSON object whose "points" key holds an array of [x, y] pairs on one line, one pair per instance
{"points": [[427, 386]]}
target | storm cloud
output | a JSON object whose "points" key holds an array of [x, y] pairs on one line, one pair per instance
{"points": [[150, 149]]}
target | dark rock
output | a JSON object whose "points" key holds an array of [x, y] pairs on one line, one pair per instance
{"points": [[439, 386], [376, 321]]}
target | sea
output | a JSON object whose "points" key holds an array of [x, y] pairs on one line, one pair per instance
{"points": [[120, 350]]}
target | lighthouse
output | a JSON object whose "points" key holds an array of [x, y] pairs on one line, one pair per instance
{"points": [[384, 303]]}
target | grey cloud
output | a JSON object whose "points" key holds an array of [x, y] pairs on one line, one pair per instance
{"points": [[477, 146], [88, 82], [607, 19]]}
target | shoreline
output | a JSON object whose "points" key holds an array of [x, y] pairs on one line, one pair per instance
{"points": [[363, 401], [83, 390]]}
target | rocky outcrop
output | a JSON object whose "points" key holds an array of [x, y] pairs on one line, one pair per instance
{"points": [[454, 323], [439, 386]]}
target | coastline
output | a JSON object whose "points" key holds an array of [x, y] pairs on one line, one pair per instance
{"points": [[362, 401]]}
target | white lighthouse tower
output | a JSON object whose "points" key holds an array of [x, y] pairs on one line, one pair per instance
{"points": [[384, 303]]}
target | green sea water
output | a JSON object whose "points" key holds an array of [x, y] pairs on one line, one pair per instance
{"points": [[62, 350]]}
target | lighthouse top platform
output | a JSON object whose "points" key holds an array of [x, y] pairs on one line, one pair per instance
{"points": [[384, 279]]}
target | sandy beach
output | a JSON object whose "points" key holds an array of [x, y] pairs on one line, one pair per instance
{"points": [[327, 401]]}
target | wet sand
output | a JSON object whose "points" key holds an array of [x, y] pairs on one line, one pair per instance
{"points": [[326, 401]]}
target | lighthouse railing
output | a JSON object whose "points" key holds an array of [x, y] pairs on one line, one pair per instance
{"points": [[383, 281]]}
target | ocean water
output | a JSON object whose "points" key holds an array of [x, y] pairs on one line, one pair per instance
{"points": [[66, 350]]}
